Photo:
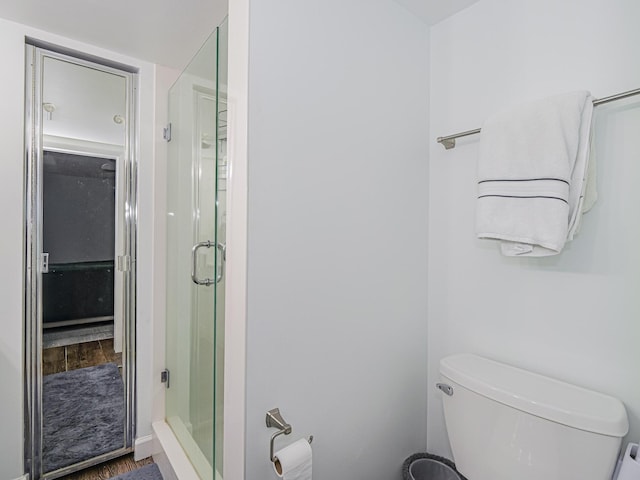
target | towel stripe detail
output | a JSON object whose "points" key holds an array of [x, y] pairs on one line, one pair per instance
{"points": [[527, 196], [524, 180], [551, 188]]}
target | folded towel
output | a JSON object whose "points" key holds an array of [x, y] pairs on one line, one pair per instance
{"points": [[532, 174]]}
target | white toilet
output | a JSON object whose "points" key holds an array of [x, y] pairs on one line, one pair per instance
{"points": [[505, 423]]}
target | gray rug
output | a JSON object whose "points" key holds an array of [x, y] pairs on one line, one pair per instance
{"points": [[83, 415], [148, 472]]}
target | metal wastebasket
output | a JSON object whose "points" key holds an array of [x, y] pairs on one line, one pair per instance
{"points": [[424, 466]]}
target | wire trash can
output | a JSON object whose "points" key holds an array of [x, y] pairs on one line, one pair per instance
{"points": [[424, 466]]}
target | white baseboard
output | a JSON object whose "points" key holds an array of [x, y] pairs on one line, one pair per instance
{"points": [[144, 447], [23, 477]]}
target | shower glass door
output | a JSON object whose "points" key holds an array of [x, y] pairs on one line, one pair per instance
{"points": [[196, 215]]}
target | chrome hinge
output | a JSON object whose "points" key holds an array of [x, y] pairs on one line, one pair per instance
{"points": [[124, 263], [164, 377], [166, 133], [44, 263]]}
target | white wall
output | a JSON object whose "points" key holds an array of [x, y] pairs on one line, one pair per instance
{"points": [[337, 233], [574, 316], [236, 273], [11, 248], [11, 241], [165, 77]]}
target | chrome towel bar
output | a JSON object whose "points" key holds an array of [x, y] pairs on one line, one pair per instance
{"points": [[449, 141]]}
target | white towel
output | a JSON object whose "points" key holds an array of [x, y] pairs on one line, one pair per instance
{"points": [[590, 195], [532, 174]]}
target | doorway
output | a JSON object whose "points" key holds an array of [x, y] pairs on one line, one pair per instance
{"points": [[79, 261]]}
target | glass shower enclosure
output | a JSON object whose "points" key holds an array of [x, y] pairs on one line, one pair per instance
{"points": [[196, 217]]}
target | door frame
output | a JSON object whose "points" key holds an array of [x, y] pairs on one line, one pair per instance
{"points": [[34, 147]]}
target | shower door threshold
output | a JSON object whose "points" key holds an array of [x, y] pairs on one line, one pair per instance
{"points": [[171, 457]]}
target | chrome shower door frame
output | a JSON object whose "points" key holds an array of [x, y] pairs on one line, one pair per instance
{"points": [[33, 238]]}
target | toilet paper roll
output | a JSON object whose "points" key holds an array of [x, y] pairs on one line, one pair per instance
{"points": [[294, 461]]}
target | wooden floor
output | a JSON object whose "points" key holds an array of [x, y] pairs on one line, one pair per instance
{"points": [[108, 470], [80, 355]]}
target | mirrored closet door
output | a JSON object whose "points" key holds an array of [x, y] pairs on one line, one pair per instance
{"points": [[80, 246]]}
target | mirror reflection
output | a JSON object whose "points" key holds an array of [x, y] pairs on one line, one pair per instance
{"points": [[82, 239]]}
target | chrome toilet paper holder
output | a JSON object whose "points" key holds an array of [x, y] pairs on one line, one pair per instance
{"points": [[275, 420]]}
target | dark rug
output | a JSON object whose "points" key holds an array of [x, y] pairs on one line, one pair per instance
{"points": [[83, 415], [148, 472]]}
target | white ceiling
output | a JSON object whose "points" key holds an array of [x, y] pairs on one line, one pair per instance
{"points": [[432, 11], [167, 32]]}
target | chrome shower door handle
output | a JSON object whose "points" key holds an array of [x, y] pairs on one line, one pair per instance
{"points": [[223, 258], [194, 264]]}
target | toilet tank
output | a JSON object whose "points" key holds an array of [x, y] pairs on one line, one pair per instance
{"points": [[505, 423]]}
